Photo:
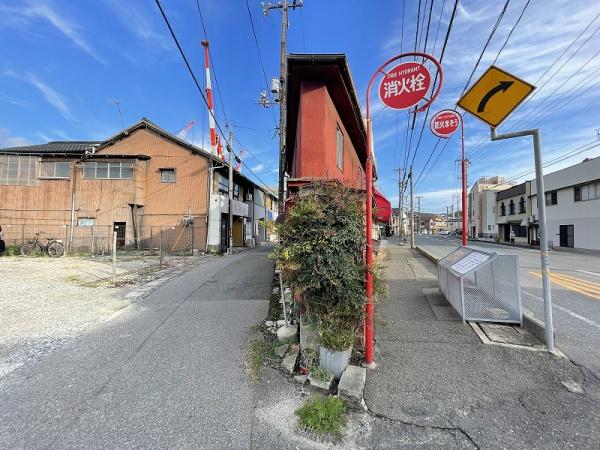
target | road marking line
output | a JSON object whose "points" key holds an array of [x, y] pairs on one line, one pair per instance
{"points": [[576, 280], [577, 287], [579, 283], [566, 311], [589, 273]]}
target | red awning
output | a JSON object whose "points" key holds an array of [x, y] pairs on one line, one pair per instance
{"points": [[383, 208]]}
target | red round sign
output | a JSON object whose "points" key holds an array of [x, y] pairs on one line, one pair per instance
{"points": [[445, 123], [405, 85]]}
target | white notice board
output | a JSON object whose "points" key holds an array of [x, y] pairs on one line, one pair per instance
{"points": [[469, 262]]}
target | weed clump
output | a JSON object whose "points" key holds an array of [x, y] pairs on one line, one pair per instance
{"points": [[323, 416]]}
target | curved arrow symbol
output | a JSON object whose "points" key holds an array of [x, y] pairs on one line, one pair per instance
{"points": [[502, 87]]}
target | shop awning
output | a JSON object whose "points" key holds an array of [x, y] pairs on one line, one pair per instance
{"points": [[383, 208]]}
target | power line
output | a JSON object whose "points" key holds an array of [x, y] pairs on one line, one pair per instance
{"points": [[213, 66], [187, 64], [438, 26], [428, 23], [511, 31], [494, 28], [443, 52], [489, 145]]}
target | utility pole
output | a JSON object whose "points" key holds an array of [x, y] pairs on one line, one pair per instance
{"points": [[400, 198], [419, 197], [412, 213], [230, 192], [284, 6]]}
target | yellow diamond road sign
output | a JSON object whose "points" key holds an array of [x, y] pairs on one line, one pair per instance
{"points": [[495, 95]]}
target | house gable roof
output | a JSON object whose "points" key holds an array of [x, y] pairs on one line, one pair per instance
{"points": [[54, 148]]}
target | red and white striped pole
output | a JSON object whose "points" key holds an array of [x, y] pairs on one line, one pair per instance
{"points": [[214, 148]]}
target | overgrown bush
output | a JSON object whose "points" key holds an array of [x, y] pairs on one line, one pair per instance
{"points": [[321, 253]]}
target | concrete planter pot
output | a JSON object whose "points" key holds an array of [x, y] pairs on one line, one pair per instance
{"points": [[334, 361], [325, 385]]}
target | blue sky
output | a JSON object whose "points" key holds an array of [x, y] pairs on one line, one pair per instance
{"points": [[63, 60]]}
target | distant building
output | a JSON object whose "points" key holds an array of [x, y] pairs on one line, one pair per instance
{"points": [[513, 209], [572, 206], [396, 222], [481, 221], [138, 182]]}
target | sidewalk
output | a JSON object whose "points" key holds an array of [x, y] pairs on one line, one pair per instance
{"points": [[439, 386]]}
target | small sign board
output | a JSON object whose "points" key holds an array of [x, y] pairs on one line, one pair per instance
{"points": [[444, 123], [495, 96], [405, 85], [469, 262]]}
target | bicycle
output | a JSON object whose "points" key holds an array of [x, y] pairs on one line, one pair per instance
{"points": [[35, 247]]}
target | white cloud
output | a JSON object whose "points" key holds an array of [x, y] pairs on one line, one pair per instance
{"points": [[260, 168], [45, 12], [7, 140], [139, 24], [51, 96]]}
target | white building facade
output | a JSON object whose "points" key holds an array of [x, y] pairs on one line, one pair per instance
{"points": [[481, 221], [572, 206]]}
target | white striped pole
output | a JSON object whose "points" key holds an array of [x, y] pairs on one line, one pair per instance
{"points": [[209, 97]]}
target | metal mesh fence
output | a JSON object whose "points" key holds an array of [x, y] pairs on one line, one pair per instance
{"points": [[482, 286], [98, 239]]}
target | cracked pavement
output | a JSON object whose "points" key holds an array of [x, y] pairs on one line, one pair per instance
{"points": [[437, 375]]}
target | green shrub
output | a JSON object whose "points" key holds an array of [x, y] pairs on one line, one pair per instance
{"points": [[323, 416], [321, 254]]}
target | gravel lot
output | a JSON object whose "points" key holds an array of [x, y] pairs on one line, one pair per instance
{"points": [[45, 302]]}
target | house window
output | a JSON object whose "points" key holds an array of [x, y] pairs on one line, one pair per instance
{"points": [[340, 149], [108, 170], [511, 208], [502, 209], [551, 198], [86, 222], [223, 185], [587, 192], [489, 228], [54, 169], [167, 175], [18, 170], [236, 191], [522, 206]]}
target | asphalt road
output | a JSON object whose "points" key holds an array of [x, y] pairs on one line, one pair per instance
{"points": [[166, 373], [575, 294]]}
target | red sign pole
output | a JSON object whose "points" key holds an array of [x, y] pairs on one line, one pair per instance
{"points": [[464, 181], [368, 325]]}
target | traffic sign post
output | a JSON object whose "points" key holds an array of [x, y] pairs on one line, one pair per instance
{"points": [[492, 99], [495, 96], [402, 87], [443, 124]]}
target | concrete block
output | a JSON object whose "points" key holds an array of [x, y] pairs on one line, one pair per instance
{"points": [[534, 326], [309, 336], [301, 379], [289, 362], [352, 387], [281, 350], [288, 335]]}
